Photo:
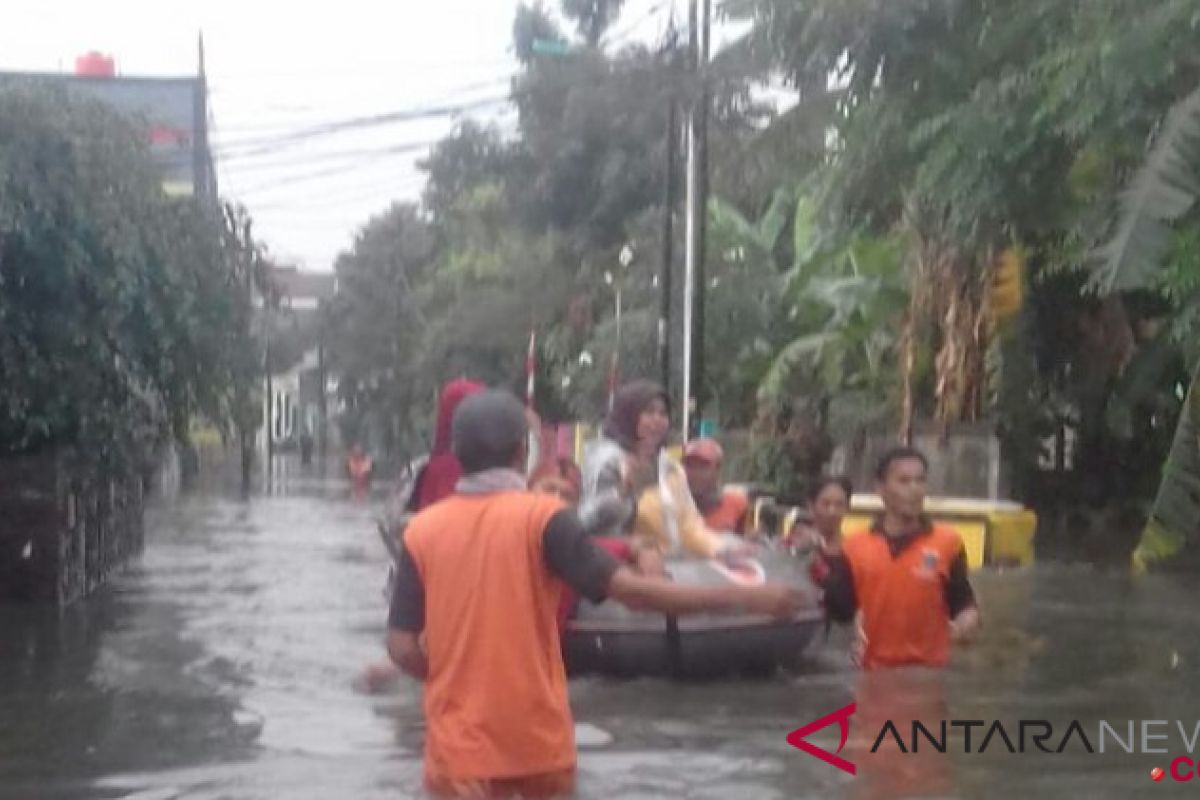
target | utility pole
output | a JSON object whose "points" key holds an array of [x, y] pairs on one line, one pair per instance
{"points": [[270, 443], [697, 201], [204, 181], [322, 401], [699, 365], [668, 250], [668, 233]]}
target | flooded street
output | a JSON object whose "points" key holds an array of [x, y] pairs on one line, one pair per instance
{"points": [[222, 665]]}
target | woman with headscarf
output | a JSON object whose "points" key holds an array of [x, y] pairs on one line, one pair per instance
{"points": [[632, 487], [561, 478], [435, 481], [441, 473]]}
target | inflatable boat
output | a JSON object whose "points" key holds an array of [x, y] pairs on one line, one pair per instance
{"points": [[609, 639]]}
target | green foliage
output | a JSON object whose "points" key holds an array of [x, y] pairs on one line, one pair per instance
{"points": [[592, 17], [958, 129], [122, 313], [1163, 190], [379, 316], [1175, 516]]}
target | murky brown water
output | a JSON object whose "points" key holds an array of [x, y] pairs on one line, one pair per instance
{"points": [[221, 666]]}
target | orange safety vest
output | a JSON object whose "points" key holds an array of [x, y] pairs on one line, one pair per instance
{"points": [[903, 598], [496, 694], [729, 515]]}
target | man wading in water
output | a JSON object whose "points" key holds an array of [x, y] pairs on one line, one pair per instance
{"points": [[907, 575], [473, 614]]}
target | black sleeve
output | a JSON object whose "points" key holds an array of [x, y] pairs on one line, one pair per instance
{"points": [[572, 555], [407, 612], [840, 601], [959, 594]]}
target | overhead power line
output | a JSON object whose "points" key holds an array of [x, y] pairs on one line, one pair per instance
{"points": [[269, 144]]}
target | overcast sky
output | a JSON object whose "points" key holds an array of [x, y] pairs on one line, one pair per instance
{"points": [[280, 67]]}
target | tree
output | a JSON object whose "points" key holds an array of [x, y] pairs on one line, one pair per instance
{"points": [[379, 323], [1173, 518], [243, 275], [1137, 256], [120, 316], [592, 17]]}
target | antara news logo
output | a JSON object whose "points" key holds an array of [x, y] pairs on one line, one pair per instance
{"points": [[977, 736]]}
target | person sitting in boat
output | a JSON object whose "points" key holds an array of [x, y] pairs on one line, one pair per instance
{"points": [[820, 533], [724, 508], [561, 479], [632, 487], [906, 577]]}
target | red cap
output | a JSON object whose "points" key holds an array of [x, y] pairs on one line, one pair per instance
{"points": [[706, 450]]}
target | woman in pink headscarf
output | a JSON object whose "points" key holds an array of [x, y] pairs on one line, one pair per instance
{"points": [[435, 481], [439, 476]]}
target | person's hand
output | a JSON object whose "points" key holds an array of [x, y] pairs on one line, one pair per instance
{"points": [[649, 562], [377, 678], [774, 599], [965, 626], [858, 649]]}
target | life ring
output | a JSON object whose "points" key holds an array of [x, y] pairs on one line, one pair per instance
{"points": [[742, 571]]}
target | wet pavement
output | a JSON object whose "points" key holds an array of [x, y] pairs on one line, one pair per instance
{"points": [[222, 665]]}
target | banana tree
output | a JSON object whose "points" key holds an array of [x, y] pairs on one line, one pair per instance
{"points": [[1158, 198], [834, 376], [1175, 516]]}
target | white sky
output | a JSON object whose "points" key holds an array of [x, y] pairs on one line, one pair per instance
{"points": [[278, 67]]}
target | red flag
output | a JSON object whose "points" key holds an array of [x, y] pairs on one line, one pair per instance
{"points": [[530, 368]]}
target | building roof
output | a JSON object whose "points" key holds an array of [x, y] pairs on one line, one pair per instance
{"points": [[296, 285]]}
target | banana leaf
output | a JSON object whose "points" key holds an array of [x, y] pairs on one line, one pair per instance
{"points": [[1175, 518], [1164, 188]]}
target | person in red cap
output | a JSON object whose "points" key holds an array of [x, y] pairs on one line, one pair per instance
{"points": [[724, 509]]}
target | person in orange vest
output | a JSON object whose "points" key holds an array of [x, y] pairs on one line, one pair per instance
{"points": [[723, 508], [359, 468], [906, 575], [473, 614]]}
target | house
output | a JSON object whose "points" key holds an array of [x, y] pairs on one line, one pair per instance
{"points": [[298, 390]]}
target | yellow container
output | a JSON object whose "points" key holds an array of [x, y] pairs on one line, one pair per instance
{"points": [[994, 532]]}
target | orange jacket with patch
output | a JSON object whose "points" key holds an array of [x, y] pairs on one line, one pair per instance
{"points": [[902, 598]]}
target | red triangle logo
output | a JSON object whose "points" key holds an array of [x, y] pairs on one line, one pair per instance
{"points": [[798, 737]]}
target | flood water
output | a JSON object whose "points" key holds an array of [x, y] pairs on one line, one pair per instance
{"points": [[222, 665]]}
